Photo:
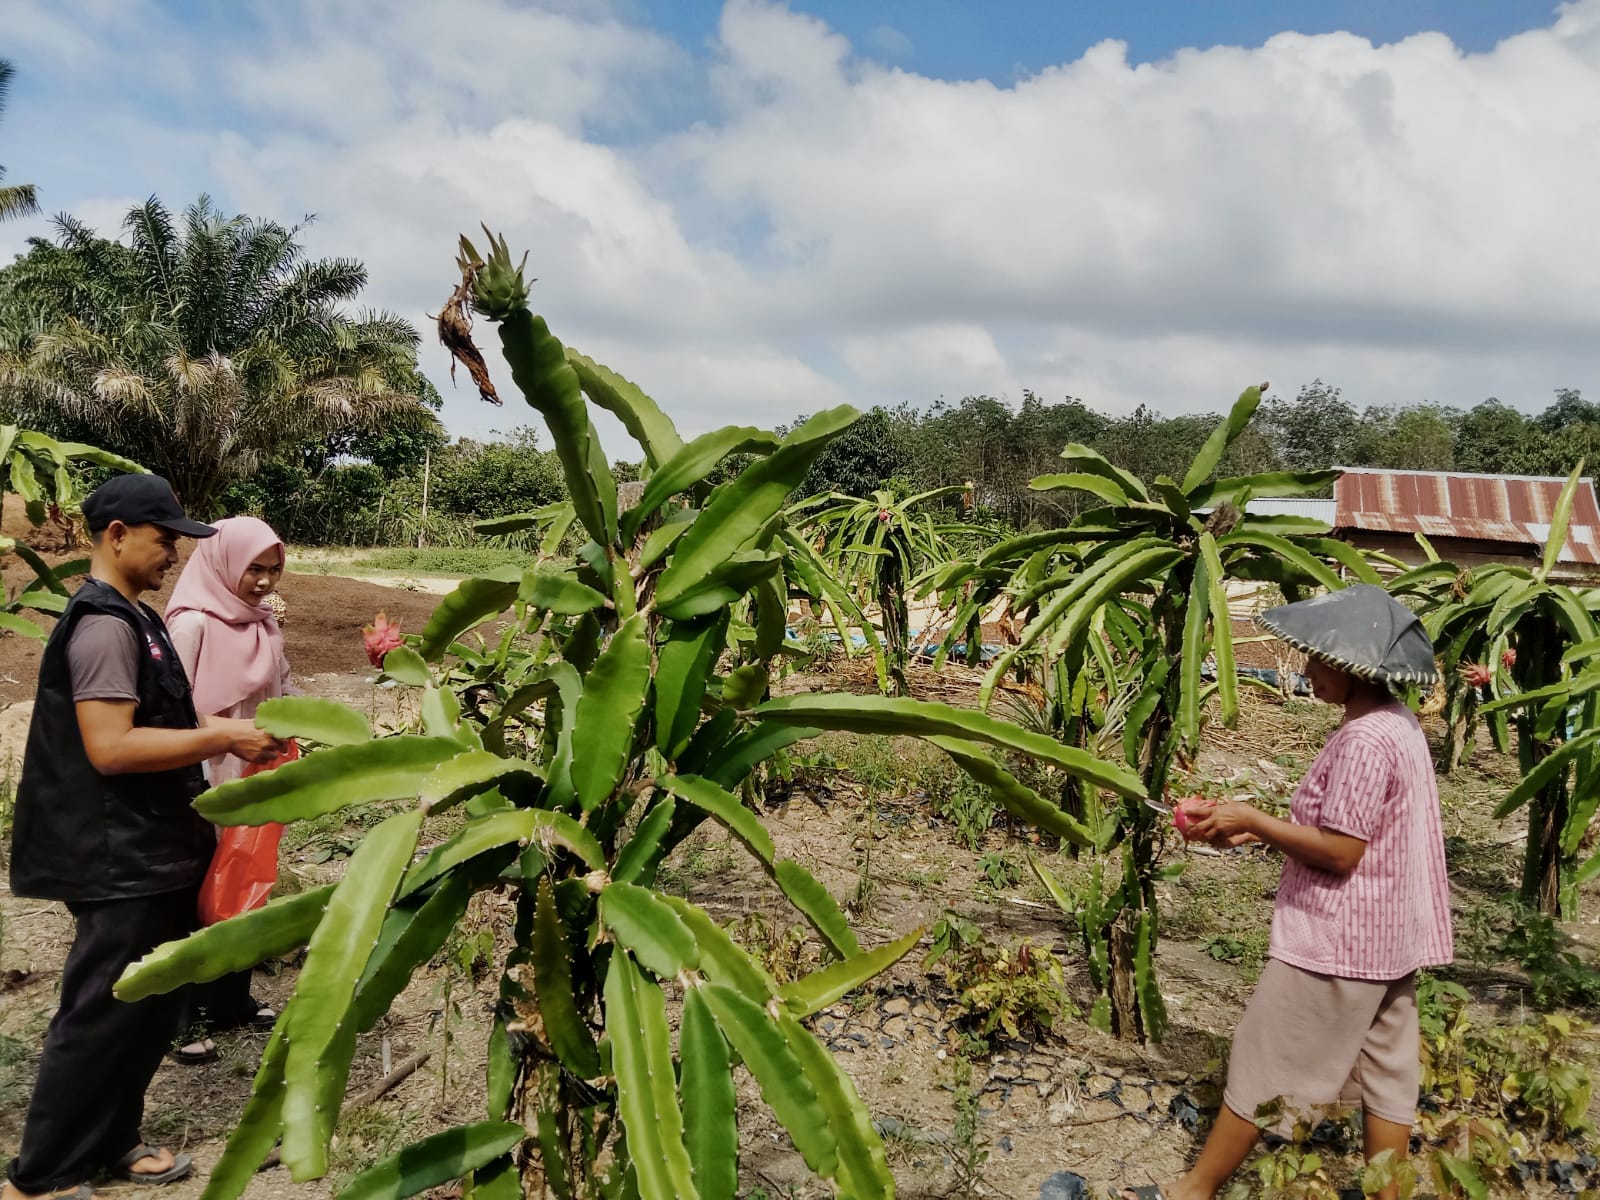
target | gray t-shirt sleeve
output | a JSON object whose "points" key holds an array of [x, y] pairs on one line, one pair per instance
{"points": [[103, 656]]}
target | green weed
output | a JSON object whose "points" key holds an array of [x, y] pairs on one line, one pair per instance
{"points": [[1015, 987], [701, 856], [1292, 1166], [172, 1125], [9, 770], [365, 1136], [1480, 927], [923, 878], [969, 1149], [785, 951], [335, 834], [999, 871], [13, 1053], [1560, 975], [1246, 949], [968, 809]]}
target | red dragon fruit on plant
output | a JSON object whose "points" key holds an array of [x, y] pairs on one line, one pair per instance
{"points": [[382, 636], [1509, 658], [1477, 674]]}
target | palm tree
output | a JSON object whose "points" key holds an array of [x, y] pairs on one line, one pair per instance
{"points": [[199, 352], [19, 199]]}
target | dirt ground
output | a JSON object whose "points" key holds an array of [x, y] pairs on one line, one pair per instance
{"points": [[321, 630], [860, 816]]}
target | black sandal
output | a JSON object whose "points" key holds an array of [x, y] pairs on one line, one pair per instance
{"points": [[262, 1016], [1146, 1191], [194, 1058], [182, 1164]]}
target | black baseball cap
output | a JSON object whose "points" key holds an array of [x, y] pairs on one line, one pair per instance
{"points": [[139, 500]]}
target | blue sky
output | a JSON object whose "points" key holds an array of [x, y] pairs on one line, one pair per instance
{"points": [[963, 39], [759, 209]]}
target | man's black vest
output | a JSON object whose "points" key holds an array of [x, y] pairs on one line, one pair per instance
{"points": [[81, 836]]}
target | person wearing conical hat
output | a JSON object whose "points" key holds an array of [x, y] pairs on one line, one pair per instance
{"points": [[1364, 902]]}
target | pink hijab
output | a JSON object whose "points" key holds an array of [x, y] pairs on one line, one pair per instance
{"points": [[242, 644]]}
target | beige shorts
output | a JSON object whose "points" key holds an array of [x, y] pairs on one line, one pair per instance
{"points": [[1319, 1040]]}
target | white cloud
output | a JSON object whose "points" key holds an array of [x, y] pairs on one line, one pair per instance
{"points": [[1394, 193], [353, 67], [929, 360], [1408, 221], [77, 36]]}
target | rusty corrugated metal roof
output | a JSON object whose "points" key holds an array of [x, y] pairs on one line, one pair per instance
{"points": [[1491, 508]]}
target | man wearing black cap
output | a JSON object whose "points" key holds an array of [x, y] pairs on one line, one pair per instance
{"points": [[104, 824]]}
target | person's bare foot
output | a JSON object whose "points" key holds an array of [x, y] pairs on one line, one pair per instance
{"points": [[162, 1160], [202, 1051], [13, 1192], [153, 1165]]}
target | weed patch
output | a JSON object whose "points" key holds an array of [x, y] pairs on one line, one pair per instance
{"points": [[13, 1053], [1016, 987], [365, 1136]]}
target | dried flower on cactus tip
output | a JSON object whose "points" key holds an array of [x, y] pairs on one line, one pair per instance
{"points": [[455, 320]]}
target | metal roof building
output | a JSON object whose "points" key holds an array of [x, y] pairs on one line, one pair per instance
{"points": [[1468, 517]]}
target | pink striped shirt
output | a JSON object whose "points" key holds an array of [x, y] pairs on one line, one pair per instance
{"points": [[1373, 780]]}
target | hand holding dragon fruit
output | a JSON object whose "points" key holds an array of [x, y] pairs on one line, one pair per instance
{"points": [[1189, 810]]}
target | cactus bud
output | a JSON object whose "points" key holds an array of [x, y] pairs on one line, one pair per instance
{"points": [[498, 289]]}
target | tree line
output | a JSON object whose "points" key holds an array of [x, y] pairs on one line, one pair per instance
{"points": [[999, 448]]}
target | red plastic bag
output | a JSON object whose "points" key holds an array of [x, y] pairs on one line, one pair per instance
{"points": [[245, 865]]}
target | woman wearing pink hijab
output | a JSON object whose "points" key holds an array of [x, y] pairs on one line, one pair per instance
{"points": [[232, 649]]}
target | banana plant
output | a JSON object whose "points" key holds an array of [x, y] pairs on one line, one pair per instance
{"points": [[48, 477], [1125, 608], [626, 703], [875, 548], [1505, 632]]}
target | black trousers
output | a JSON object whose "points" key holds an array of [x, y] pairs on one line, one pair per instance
{"points": [[219, 1005], [99, 1052]]}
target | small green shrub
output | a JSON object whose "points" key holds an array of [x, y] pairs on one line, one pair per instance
{"points": [[366, 1135], [999, 872], [1017, 987], [1560, 975], [969, 1149], [786, 951], [1438, 1001], [1247, 949], [965, 806]]}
